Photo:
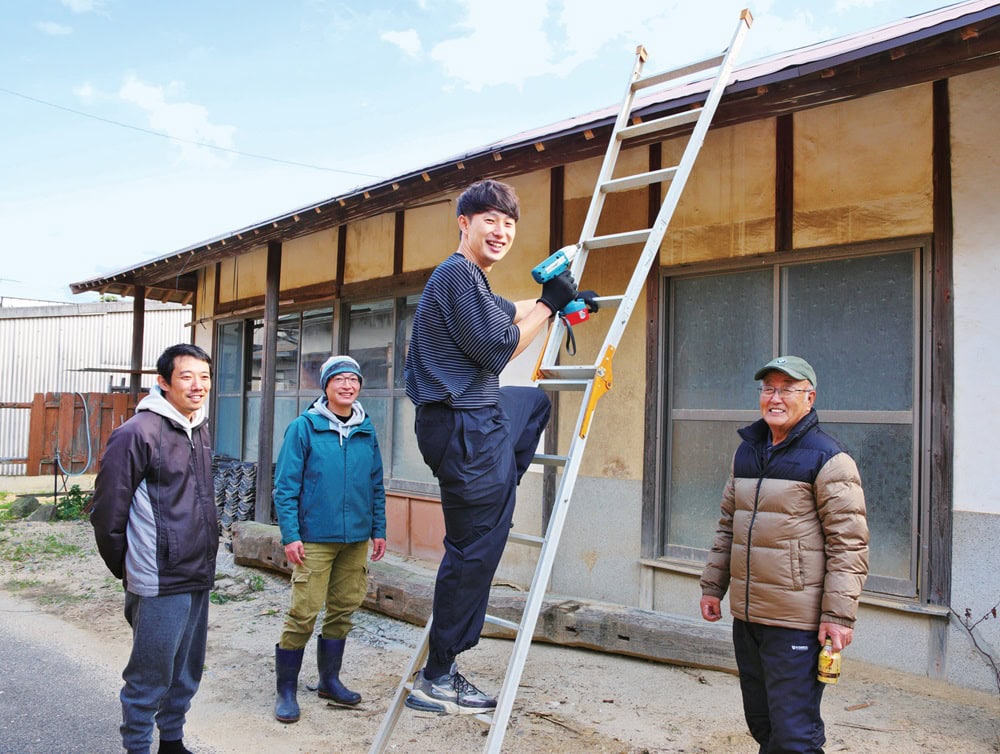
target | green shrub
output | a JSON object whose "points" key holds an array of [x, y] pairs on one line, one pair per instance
{"points": [[70, 506]]}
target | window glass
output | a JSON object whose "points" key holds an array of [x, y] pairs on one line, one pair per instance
{"points": [[251, 427], [854, 321], [256, 355], [371, 340], [227, 425], [286, 363], [229, 363], [883, 453], [407, 463], [721, 334], [858, 323], [405, 330], [286, 408], [316, 348], [700, 460]]}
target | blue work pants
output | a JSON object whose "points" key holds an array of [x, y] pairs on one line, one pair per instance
{"points": [[781, 696], [478, 457]]}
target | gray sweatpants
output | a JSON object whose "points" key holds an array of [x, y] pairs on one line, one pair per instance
{"points": [[164, 669]]}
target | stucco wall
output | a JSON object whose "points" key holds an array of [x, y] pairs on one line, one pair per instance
{"points": [[309, 259], [863, 169], [243, 276], [975, 187], [369, 252], [727, 208], [430, 233]]}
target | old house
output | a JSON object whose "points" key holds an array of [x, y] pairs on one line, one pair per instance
{"points": [[841, 209]]}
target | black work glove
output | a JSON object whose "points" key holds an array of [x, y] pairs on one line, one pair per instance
{"points": [[589, 299], [558, 291]]}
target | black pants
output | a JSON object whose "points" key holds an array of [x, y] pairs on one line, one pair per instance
{"points": [[478, 457], [781, 696]]}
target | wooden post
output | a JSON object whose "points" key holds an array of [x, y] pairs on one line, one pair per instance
{"points": [[138, 324], [262, 509]]}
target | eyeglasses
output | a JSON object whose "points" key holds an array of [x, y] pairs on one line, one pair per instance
{"points": [[785, 392], [345, 379]]}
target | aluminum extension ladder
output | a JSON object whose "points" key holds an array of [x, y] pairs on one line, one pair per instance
{"points": [[593, 380]]}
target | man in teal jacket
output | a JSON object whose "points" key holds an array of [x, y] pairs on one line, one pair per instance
{"points": [[330, 500]]}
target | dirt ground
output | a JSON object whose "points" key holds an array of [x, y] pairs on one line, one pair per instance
{"points": [[570, 700]]}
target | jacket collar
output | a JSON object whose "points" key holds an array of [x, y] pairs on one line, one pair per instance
{"points": [[759, 433]]}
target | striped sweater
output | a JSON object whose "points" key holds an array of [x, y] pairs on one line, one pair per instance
{"points": [[463, 336]]}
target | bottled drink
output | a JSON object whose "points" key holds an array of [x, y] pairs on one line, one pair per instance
{"points": [[829, 664]]}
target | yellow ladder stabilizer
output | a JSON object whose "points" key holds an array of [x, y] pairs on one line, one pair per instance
{"points": [[602, 384]]}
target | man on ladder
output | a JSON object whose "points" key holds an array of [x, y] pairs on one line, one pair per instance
{"points": [[477, 438]]}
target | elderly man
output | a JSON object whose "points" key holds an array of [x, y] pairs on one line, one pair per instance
{"points": [[793, 544]]}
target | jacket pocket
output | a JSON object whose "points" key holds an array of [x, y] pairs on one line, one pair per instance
{"points": [[798, 582]]}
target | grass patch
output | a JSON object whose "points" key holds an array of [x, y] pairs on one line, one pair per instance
{"points": [[62, 599], [16, 585], [50, 545]]}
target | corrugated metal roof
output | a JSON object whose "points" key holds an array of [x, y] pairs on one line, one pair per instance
{"points": [[787, 66]]}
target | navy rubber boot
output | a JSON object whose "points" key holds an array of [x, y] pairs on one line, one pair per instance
{"points": [[329, 656], [287, 663]]}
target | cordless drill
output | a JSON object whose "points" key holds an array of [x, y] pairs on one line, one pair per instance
{"points": [[575, 311]]}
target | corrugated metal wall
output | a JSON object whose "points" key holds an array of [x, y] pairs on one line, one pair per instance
{"points": [[41, 349]]}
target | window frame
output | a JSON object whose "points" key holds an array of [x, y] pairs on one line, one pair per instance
{"points": [[657, 550]]}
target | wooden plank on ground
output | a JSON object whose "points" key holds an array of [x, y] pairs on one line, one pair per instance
{"points": [[406, 592]]}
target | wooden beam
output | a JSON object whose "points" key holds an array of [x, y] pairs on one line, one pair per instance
{"points": [[138, 333], [265, 431], [784, 184], [397, 242], [939, 527], [406, 592]]}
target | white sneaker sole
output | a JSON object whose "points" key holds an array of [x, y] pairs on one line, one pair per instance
{"points": [[417, 700]]}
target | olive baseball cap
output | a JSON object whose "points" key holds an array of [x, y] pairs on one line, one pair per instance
{"points": [[793, 366]]}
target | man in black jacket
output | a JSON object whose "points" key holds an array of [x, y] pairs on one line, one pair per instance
{"points": [[155, 522]]}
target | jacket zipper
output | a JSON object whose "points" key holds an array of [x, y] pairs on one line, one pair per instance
{"points": [[753, 518]]}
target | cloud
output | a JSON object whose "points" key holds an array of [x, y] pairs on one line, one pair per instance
{"points": [[84, 6], [483, 56], [86, 92], [54, 29], [556, 37], [183, 121], [408, 41]]}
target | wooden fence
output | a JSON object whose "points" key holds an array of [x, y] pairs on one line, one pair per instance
{"points": [[77, 425]]}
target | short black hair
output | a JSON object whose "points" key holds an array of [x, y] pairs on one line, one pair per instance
{"points": [[484, 196], [165, 364]]}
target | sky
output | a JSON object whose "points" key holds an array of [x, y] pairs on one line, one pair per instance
{"points": [[130, 129]]}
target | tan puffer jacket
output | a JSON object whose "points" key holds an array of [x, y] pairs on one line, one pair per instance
{"points": [[792, 542]]}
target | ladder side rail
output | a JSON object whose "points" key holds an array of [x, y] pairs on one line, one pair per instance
{"points": [[550, 350], [610, 156], [546, 561], [652, 246], [381, 740], [536, 593]]}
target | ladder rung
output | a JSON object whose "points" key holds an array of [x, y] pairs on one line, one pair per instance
{"points": [[552, 385], [609, 302], [526, 539], [676, 73], [502, 623], [617, 239], [579, 372], [546, 459], [639, 180], [660, 124]]}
